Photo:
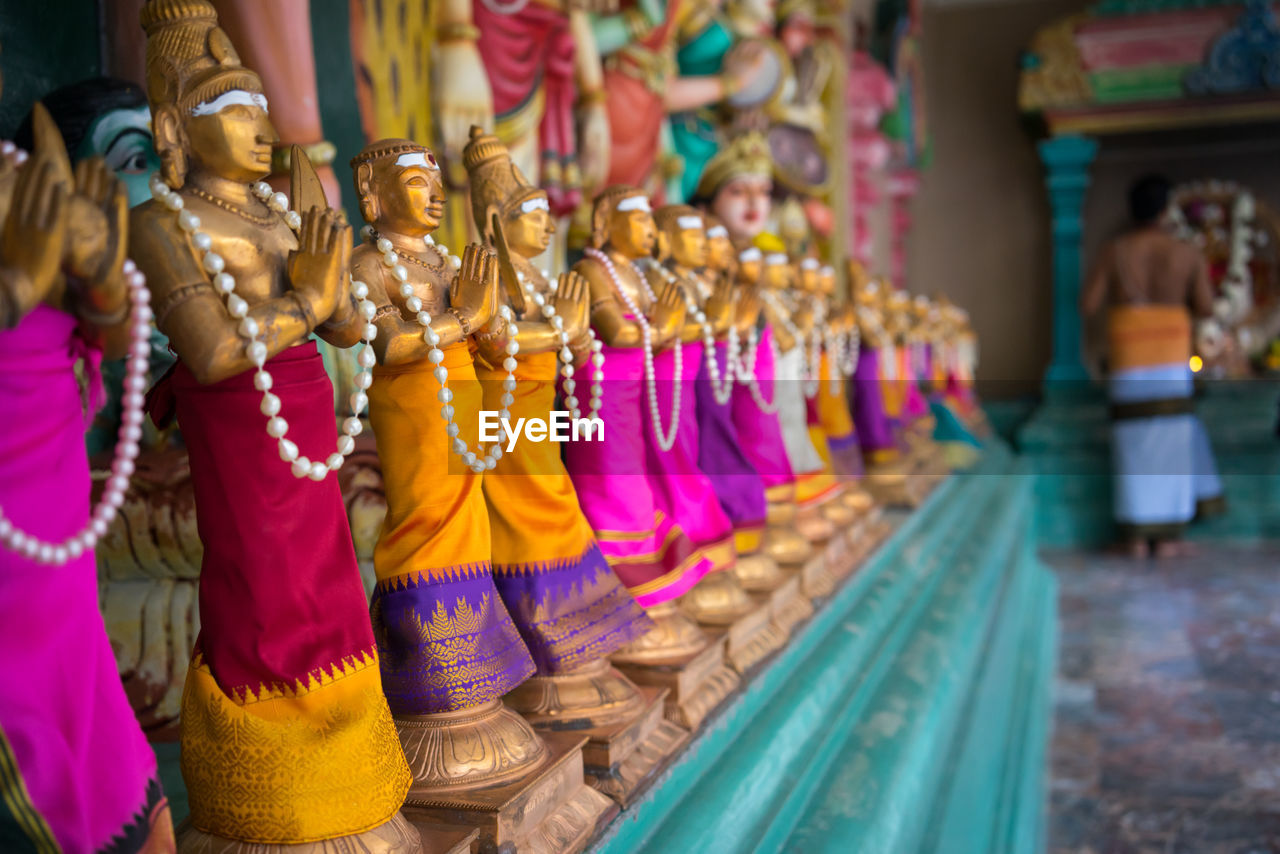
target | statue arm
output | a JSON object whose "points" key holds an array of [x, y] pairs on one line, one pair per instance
{"points": [[188, 310], [614, 32], [607, 318], [593, 118], [463, 94], [400, 341]]}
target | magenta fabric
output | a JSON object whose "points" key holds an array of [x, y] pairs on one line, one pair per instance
{"points": [[646, 547], [683, 490], [84, 760]]}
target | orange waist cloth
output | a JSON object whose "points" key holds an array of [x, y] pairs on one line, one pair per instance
{"points": [[833, 404], [437, 525], [1143, 336], [533, 509]]}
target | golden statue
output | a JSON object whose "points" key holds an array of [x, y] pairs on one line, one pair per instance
{"points": [[566, 601], [640, 535], [240, 282]]}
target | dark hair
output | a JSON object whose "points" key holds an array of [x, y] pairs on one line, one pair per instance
{"points": [[74, 107], [1148, 198]]}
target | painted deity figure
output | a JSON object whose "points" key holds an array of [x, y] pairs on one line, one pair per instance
{"points": [[285, 648], [558, 586], [645, 84], [78, 772], [548, 92]]}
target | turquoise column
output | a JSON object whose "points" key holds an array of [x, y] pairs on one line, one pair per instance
{"points": [[1067, 160]]}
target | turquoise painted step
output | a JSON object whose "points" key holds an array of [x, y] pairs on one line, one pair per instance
{"points": [[757, 777], [991, 797], [889, 772], [772, 733]]}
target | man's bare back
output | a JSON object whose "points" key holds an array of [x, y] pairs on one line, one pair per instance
{"points": [[1149, 266]]}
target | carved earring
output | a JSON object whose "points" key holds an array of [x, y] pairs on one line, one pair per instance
{"points": [[173, 167]]}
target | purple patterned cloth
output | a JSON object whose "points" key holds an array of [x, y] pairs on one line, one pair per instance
{"points": [[446, 645], [570, 612], [721, 456], [874, 427]]}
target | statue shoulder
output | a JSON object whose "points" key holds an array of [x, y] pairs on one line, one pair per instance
{"points": [[161, 249]]}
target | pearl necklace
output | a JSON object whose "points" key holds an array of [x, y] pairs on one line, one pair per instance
{"points": [[812, 367], [122, 464], [391, 260], [256, 351], [722, 393], [814, 378], [566, 353], [666, 439], [747, 372]]}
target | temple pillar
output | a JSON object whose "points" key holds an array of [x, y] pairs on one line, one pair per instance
{"points": [[1067, 160]]}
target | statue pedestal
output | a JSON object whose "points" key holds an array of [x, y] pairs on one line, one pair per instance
{"points": [[723, 607], [788, 606], [814, 576], [628, 741], [697, 682], [750, 639], [548, 809], [623, 760], [445, 838]]}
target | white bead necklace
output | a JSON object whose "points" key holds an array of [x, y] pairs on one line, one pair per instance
{"points": [[391, 260], [812, 367], [126, 452], [566, 353], [666, 439], [256, 351], [747, 372], [722, 393], [814, 378]]}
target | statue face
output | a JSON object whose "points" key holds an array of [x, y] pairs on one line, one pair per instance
{"points": [[689, 247], [410, 193], [633, 232], [743, 206], [719, 252], [529, 230], [123, 139], [749, 271], [231, 136], [827, 281], [777, 276], [808, 279]]}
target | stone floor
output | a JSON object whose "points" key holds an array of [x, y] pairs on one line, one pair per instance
{"points": [[1167, 730]]}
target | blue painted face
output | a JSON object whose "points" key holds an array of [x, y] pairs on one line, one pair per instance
{"points": [[123, 138]]}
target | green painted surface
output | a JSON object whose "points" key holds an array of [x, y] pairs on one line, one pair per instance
{"points": [[844, 742], [43, 46], [1151, 83], [339, 111]]}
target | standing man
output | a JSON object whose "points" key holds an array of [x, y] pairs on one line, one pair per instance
{"points": [[1152, 283]]}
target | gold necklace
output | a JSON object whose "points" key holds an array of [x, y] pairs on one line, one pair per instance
{"points": [[231, 207]]}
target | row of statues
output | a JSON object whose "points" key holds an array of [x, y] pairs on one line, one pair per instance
{"points": [[546, 629]]}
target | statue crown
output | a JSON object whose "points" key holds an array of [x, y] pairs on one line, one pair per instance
{"points": [[190, 60]]}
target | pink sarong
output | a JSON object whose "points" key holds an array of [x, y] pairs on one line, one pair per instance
{"points": [[683, 490], [760, 431], [76, 771], [648, 549]]}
